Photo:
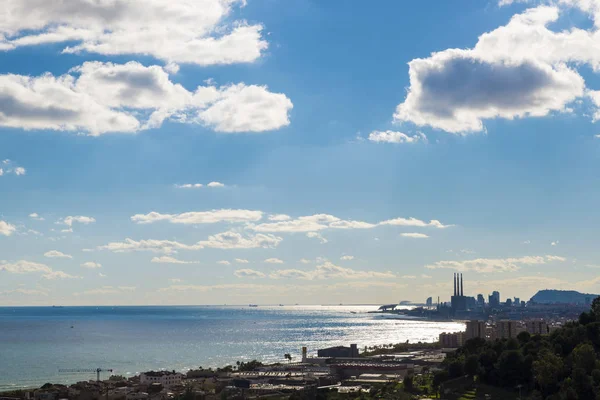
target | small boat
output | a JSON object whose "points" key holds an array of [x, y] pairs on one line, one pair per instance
{"points": [[281, 305], [252, 305]]}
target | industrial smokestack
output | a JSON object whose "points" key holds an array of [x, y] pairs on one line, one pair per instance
{"points": [[462, 293], [455, 284]]}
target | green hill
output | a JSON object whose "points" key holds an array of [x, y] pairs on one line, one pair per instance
{"points": [[551, 296]]}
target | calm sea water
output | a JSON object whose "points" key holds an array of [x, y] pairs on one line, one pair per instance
{"points": [[35, 342]]}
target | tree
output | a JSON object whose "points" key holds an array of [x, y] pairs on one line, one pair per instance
{"points": [[288, 357], [472, 365], [546, 371], [456, 368], [584, 357], [511, 367], [408, 383], [595, 309], [523, 337], [439, 378]]}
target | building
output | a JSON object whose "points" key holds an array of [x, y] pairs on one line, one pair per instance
{"points": [[458, 301], [494, 299], [538, 327], [339, 352], [475, 329], [429, 302], [480, 300], [348, 369], [452, 340], [165, 378], [517, 302], [506, 329]]}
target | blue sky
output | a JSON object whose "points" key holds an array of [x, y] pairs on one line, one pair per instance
{"points": [[350, 163]]}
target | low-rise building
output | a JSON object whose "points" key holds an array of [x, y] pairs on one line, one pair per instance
{"points": [[165, 378]]}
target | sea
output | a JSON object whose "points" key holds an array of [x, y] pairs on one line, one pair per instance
{"points": [[36, 343]]}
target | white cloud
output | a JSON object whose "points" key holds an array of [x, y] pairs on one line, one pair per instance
{"points": [[215, 184], [424, 276], [518, 70], [347, 258], [36, 217], [318, 222], [80, 219], [176, 31], [101, 275], [241, 108], [234, 240], [554, 243], [170, 260], [248, 273], [91, 265], [106, 290], [396, 137], [225, 240], [316, 235], [7, 229], [189, 186], [328, 270], [199, 185], [305, 261], [28, 292], [56, 254], [490, 265], [27, 267], [415, 235], [200, 217], [224, 262], [10, 168], [24, 267], [59, 275], [175, 280], [241, 261], [434, 223], [98, 98], [279, 217], [274, 261], [502, 3]]}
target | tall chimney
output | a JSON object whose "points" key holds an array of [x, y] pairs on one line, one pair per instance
{"points": [[455, 283], [462, 293]]}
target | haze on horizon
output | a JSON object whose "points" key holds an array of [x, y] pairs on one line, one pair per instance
{"points": [[299, 151]]}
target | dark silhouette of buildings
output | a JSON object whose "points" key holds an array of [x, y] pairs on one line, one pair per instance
{"points": [[458, 301], [339, 352]]}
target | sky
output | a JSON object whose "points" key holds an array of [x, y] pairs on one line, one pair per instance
{"points": [[297, 151]]}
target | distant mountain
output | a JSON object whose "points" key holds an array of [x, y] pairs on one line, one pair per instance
{"points": [[551, 296]]}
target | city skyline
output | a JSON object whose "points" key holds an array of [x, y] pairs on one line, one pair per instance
{"points": [[297, 152]]}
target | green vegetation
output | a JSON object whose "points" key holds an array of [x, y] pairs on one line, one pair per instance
{"points": [[248, 366], [561, 366]]}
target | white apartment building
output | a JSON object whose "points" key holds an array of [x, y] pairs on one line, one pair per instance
{"points": [[166, 378]]}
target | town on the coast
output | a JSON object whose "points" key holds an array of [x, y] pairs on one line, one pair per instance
{"points": [[498, 356]]}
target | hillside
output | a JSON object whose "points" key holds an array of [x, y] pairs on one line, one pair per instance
{"points": [[549, 296]]}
